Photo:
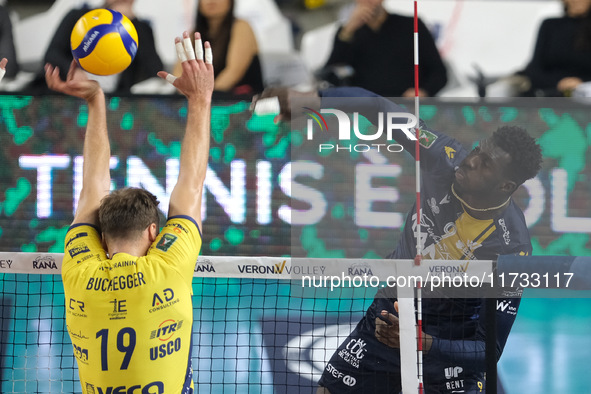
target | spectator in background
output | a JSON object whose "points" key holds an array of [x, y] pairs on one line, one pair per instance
{"points": [[380, 48], [562, 55], [146, 64], [7, 43], [235, 50]]}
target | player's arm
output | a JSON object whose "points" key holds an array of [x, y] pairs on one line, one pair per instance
{"points": [[196, 83], [96, 180], [241, 50], [471, 353]]}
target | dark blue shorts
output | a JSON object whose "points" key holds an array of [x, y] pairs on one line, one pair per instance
{"points": [[362, 364]]}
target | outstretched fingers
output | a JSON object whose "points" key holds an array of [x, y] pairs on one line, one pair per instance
{"points": [[190, 56]]}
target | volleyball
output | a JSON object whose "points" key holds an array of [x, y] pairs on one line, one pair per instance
{"points": [[104, 42]]}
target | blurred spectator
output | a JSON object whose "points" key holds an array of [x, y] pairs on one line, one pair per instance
{"points": [[145, 65], [379, 47], [7, 43], [235, 50], [562, 55]]}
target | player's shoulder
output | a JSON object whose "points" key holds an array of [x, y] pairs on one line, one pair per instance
{"points": [[78, 232]]}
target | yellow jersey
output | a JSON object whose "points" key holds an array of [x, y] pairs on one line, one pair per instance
{"points": [[130, 318]]}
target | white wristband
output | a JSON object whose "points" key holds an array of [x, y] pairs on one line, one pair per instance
{"points": [[2, 72], [267, 106]]}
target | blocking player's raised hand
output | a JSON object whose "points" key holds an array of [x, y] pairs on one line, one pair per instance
{"points": [[76, 84], [196, 80]]}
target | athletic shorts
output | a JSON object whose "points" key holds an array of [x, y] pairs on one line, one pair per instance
{"points": [[362, 364]]}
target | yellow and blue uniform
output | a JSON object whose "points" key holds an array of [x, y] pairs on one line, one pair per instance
{"points": [[455, 363], [130, 318]]}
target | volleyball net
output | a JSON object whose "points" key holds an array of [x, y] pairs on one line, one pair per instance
{"points": [[261, 324]]}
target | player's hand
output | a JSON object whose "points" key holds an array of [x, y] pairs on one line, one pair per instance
{"points": [[388, 332], [361, 15], [3, 64], [76, 84], [285, 96], [410, 92], [568, 84], [196, 80]]}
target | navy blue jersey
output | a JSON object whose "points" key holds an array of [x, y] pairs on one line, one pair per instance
{"points": [[448, 232]]}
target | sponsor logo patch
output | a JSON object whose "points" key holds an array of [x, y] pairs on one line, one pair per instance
{"points": [[166, 242]]}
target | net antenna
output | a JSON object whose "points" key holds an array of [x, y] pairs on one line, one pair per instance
{"points": [[411, 333], [419, 255]]}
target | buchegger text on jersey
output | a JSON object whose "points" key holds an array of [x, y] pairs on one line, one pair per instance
{"points": [[116, 283]]}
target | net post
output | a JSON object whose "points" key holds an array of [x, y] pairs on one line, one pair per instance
{"points": [[491, 345], [408, 339]]}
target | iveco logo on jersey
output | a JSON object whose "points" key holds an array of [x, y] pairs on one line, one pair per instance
{"points": [[166, 329], [44, 262], [150, 388]]}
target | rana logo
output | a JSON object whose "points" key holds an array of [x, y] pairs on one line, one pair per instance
{"points": [[44, 262], [204, 265], [360, 269]]}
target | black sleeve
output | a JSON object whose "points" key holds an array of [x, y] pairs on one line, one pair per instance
{"points": [[432, 71], [470, 353], [536, 71], [59, 52], [342, 52], [146, 63], [7, 49]]}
